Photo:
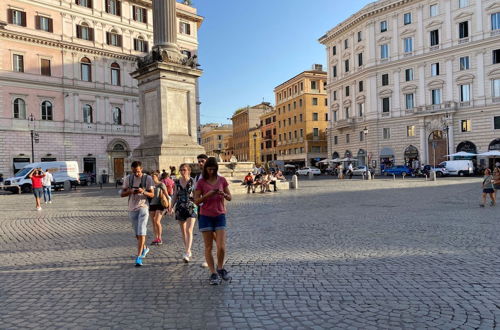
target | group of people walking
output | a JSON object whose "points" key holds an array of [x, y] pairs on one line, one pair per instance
{"points": [[490, 185], [186, 198]]}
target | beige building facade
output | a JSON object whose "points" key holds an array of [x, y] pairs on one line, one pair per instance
{"points": [[412, 81], [302, 118], [244, 120], [269, 137], [213, 138]]}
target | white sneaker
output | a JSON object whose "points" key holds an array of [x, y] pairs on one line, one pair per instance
{"points": [[185, 257], [50, 202], [45, 202], [39, 208], [204, 264]]}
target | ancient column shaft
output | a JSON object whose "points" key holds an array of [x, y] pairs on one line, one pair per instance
{"points": [[165, 24]]}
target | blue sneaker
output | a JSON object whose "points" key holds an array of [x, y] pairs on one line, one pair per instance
{"points": [[138, 262], [145, 252]]}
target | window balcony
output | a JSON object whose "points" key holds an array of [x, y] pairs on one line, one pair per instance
{"points": [[465, 104], [463, 40], [344, 123], [495, 33], [433, 48]]}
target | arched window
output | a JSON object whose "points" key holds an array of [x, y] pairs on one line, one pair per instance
{"points": [[113, 38], [85, 31], [118, 147], [117, 116], [115, 74], [86, 68], [87, 114], [19, 109], [46, 110]]}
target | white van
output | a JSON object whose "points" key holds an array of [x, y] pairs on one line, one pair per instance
{"points": [[459, 167], [61, 171]]}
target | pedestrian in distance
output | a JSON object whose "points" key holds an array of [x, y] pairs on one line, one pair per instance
{"points": [[36, 177], [248, 182], [350, 170], [186, 210], [211, 193], [156, 208], [138, 187], [488, 188], [496, 180], [47, 187]]}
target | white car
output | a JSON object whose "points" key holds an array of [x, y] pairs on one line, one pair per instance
{"points": [[307, 170]]}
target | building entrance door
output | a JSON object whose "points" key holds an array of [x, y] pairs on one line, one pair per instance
{"points": [[119, 168], [437, 148]]}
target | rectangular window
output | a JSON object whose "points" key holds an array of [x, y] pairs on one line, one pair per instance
{"points": [[315, 116], [435, 69], [347, 91], [465, 125], [18, 63], [315, 131], [408, 45], [409, 101], [463, 3], [86, 73], [346, 43], [361, 136], [313, 85], [334, 96], [384, 51], [436, 96], [334, 50], [360, 59], [347, 112], [336, 139], [463, 30], [385, 79], [115, 77], [360, 86], [464, 63], [326, 116], [383, 26], [43, 23], [300, 103], [84, 32], [361, 109], [385, 105], [410, 130], [334, 71], [360, 37], [434, 37], [184, 28], [433, 10], [139, 14], [326, 102], [347, 138], [386, 133], [113, 39], [346, 65], [496, 121], [495, 85], [495, 21], [407, 18], [314, 101], [496, 56], [464, 93], [84, 3], [16, 17], [335, 116], [45, 67], [408, 74], [114, 7]]}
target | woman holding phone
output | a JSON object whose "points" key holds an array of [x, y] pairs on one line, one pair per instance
{"points": [[212, 190], [36, 177]]}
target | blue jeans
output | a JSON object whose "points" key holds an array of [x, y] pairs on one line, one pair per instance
{"points": [[47, 193]]}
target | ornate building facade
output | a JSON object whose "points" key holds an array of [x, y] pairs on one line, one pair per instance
{"points": [[65, 74], [410, 81]]}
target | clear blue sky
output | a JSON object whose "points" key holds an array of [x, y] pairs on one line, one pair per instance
{"points": [[249, 47]]}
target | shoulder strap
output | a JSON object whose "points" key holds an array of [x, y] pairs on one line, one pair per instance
{"points": [[130, 181], [144, 179]]}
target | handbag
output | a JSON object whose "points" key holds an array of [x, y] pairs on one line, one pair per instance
{"points": [[165, 201]]}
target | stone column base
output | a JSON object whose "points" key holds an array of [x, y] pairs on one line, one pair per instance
{"points": [[166, 156]]}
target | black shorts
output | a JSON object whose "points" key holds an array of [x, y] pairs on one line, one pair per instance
{"points": [[156, 207], [488, 190]]}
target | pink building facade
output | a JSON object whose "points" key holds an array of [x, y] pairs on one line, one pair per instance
{"points": [[65, 73]]}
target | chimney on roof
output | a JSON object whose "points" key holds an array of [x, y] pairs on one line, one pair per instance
{"points": [[317, 67]]}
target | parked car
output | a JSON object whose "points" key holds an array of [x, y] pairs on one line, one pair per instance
{"points": [[459, 167], [397, 170], [84, 179], [439, 169], [361, 170], [307, 170]]}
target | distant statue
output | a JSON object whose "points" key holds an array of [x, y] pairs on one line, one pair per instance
{"points": [[187, 2], [191, 61]]}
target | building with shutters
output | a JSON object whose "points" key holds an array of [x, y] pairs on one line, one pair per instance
{"points": [[66, 66], [410, 82], [213, 137]]}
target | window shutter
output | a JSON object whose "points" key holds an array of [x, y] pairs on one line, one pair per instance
{"points": [[23, 18], [91, 34], [90, 2], [77, 2], [145, 15], [134, 16], [10, 15], [119, 40], [146, 46], [135, 44], [51, 25], [108, 38], [37, 22], [78, 31], [118, 8]]}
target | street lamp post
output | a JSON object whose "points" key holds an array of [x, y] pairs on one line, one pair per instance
{"points": [[368, 173], [31, 126], [255, 149]]}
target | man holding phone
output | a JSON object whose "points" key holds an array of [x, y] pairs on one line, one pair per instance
{"points": [[138, 187]]}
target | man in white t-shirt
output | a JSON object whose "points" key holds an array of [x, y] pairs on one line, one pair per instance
{"points": [[47, 187]]}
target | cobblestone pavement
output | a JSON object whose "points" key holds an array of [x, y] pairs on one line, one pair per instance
{"points": [[332, 254]]}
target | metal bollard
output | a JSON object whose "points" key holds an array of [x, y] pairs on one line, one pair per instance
{"points": [[311, 175], [394, 177], [433, 176], [368, 175], [403, 174], [295, 182]]}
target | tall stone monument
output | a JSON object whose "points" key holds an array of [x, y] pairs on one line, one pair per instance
{"points": [[167, 91]]}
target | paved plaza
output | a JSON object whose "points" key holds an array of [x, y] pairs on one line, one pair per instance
{"points": [[350, 254]]}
